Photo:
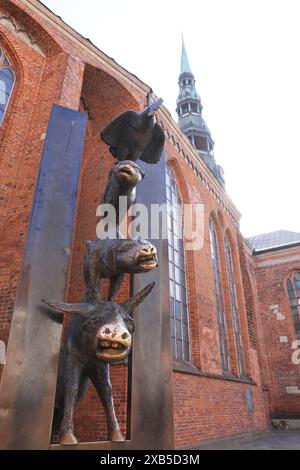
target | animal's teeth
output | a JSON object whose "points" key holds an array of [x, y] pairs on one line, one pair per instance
{"points": [[147, 258]]}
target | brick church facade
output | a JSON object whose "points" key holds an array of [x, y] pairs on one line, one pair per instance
{"points": [[234, 304]]}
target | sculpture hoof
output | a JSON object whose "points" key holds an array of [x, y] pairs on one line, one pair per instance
{"points": [[68, 438], [116, 436]]}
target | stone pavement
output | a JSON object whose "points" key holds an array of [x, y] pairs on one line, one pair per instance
{"points": [[275, 440]]}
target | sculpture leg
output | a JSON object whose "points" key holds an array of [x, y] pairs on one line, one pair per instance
{"points": [[92, 278], [71, 387], [83, 387], [100, 378], [115, 284]]}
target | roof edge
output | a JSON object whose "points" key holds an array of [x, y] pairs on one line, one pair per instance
{"points": [[275, 248]]}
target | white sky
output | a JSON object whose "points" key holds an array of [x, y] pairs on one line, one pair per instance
{"points": [[245, 58]]}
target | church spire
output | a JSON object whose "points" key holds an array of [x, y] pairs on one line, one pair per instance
{"points": [[190, 119], [185, 66]]}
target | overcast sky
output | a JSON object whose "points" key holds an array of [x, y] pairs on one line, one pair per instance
{"points": [[245, 58]]}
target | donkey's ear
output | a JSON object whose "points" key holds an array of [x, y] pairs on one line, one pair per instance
{"points": [[82, 309], [134, 301]]}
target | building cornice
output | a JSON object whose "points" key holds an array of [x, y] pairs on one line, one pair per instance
{"points": [[277, 261]]}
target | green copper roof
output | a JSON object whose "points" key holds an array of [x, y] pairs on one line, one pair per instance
{"points": [[185, 66]]}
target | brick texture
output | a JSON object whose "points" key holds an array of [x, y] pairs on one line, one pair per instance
{"points": [[272, 270]]}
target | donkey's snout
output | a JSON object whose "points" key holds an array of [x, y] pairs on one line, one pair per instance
{"points": [[115, 333]]}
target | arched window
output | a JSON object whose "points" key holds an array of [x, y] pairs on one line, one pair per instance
{"points": [[234, 308], [219, 296], [7, 81], [248, 294], [293, 286], [177, 272]]}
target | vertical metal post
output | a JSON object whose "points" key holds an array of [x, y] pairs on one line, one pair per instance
{"points": [[152, 393]]}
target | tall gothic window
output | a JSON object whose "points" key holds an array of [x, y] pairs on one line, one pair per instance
{"points": [[234, 308], [177, 272], [219, 296], [293, 286], [7, 81]]}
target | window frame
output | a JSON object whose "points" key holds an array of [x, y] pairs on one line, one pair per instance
{"points": [[178, 290], [232, 290], [296, 297], [6, 64], [219, 297]]}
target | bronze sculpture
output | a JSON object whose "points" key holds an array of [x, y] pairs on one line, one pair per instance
{"points": [[99, 334], [100, 331], [122, 181], [133, 136], [112, 259]]}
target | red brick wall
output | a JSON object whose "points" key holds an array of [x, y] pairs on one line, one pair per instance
{"points": [[208, 408], [272, 270], [37, 87]]}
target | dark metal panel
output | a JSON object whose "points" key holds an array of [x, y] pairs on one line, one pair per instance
{"points": [[27, 388], [152, 394]]}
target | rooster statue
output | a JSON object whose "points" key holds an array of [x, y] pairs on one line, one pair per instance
{"points": [[134, 136]]}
